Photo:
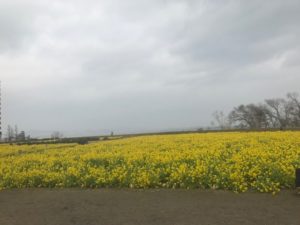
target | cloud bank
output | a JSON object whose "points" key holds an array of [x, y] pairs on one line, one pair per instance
{"points": [[89, 67]]}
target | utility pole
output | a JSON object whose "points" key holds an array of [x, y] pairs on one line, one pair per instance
{"points": [[0, 116]]}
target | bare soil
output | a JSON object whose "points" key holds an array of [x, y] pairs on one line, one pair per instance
{"points": [[159, 207]]}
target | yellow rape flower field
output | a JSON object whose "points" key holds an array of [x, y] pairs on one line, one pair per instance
{"points": [[259, 161]]}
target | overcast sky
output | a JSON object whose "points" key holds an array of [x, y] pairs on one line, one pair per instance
{"points": [[88, 67]]}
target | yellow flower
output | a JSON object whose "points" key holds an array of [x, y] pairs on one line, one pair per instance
{"points": [[261, 161]]}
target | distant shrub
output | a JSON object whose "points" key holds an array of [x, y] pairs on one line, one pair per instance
{"points": [[79, 140], [83, 141]]}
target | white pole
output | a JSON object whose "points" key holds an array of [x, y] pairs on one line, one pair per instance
{"points": [[0, 116]]}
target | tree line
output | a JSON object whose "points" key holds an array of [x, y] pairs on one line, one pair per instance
{"points": [[13, 134], [278, 113]]}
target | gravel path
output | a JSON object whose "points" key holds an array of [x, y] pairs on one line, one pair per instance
{"points": [[159, 207]]}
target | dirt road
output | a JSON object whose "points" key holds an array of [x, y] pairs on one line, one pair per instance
{"points": [[159, 207]]}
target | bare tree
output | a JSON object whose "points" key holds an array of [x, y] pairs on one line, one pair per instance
{"points": [[274, 113], [16, 135], [10, 133], [294, 107], [222, 120], [56, 135], [280, 111], [249, 116]]}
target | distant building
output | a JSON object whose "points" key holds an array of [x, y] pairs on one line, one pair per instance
{"points": [[21, 136]]}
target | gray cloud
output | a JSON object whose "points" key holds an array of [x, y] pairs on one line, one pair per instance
{"points": [[87, 67], [17, 24]]}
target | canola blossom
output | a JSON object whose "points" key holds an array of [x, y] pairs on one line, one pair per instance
{"points": [[259, 161]]}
